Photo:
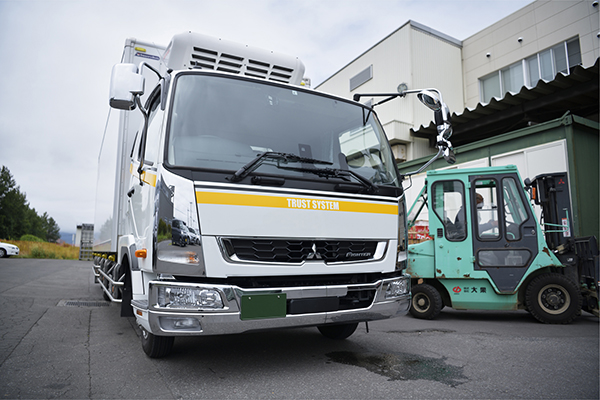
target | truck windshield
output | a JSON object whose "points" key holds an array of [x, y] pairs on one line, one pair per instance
{"points": [[223, 123]]}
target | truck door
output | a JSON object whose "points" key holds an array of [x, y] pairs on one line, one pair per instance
{"points": [[142, 187], [504, 229]]}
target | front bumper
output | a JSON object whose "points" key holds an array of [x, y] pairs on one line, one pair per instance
{"points": [[163, 321], [11, 250]]}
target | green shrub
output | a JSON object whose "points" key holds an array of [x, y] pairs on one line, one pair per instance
{"points": [[38, 252], [31, 238]]}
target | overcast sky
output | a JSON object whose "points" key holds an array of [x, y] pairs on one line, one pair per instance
{"points": [[56, 57]]}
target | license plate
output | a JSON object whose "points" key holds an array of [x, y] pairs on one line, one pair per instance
{"points": [[259, 306]]}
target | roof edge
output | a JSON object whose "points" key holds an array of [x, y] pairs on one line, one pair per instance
{"points": [[567, 119], [431, 31], [415, 25]]}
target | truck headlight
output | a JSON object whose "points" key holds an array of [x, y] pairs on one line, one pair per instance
{"points": [[397, 288], [187, 297]]}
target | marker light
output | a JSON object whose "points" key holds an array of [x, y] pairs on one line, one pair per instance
{"points": [[141, 253], [187, 297]]}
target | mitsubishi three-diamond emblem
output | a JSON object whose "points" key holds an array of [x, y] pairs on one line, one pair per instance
{"points": [[314, 253]]}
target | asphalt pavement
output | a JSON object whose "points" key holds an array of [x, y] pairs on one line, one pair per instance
{"points": [[59, 339]]}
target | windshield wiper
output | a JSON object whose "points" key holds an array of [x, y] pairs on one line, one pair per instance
{"points": [[338, 173], [273, 155]]}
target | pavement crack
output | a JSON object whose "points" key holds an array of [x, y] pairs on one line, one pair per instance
{"points": [[89, 354], [23, 337]]}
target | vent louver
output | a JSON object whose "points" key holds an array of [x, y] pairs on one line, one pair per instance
{"points": [[192, 50], [210, 59]]}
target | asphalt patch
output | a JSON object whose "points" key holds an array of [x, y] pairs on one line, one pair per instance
{"points": [[403, 366]]}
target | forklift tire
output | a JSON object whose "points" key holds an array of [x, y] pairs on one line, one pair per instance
{"points": [[553, 299], [156, 346], [426, 302]]}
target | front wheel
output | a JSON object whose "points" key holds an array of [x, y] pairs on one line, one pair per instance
{"points": [[156, 346], [553, 299], [2, 253], [426, 302], [338, 332]]}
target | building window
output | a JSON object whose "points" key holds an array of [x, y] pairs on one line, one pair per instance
{"points": [[362, 77], [543, 65]]}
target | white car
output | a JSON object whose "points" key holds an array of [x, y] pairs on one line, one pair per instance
{"points": [[7, 250]]}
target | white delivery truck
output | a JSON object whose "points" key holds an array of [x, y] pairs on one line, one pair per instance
{"points": [[231, 198]]}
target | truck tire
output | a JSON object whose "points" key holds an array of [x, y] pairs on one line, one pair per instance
{"points": [[117, 276], [338, 332], [426, 302], [156, 346], [553, 299]]}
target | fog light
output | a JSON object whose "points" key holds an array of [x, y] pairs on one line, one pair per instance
{"points": [[396, 288], [182, 324], [186, 297]]}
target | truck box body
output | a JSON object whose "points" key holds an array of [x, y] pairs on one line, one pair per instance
{"points": [[247, 201], [113, 158]]}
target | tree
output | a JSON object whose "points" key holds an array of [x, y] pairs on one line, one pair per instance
{"points": [[13, 206], [17, 218], [51, 228]]}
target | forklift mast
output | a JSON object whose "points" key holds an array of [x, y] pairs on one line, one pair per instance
{"points": [[551, 192]]}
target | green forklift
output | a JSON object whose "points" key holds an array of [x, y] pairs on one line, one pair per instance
{"points": [[486, 250]]}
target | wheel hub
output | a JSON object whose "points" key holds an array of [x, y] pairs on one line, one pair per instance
{"points": [[554, 299], [421, 302]]}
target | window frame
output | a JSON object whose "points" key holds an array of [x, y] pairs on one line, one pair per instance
{"points": [[524, 65], [452, 235]]}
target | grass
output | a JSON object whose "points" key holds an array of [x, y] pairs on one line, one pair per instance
{"points": [[45, 250]]}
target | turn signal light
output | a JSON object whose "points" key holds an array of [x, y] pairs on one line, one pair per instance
{"points": [[141, 253]]}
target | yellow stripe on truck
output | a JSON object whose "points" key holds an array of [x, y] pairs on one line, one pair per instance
{"points": [[299, 203], [148, 177]]}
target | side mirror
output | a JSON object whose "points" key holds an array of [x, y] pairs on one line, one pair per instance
{"points": [[442, 113], [125, 85], [431, 100]]}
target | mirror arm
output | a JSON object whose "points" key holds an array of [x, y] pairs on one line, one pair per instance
{"points": [[150, 67], [443, 145], [427, 164], [391, 96], [142, 138]]}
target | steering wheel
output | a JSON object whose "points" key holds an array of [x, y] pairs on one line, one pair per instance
{"points": [[512, 231]]}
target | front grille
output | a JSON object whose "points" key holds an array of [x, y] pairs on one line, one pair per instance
{"points": [[298, 251]]}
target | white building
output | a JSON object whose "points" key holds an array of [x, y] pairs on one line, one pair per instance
{"points": [[535, 43]]}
